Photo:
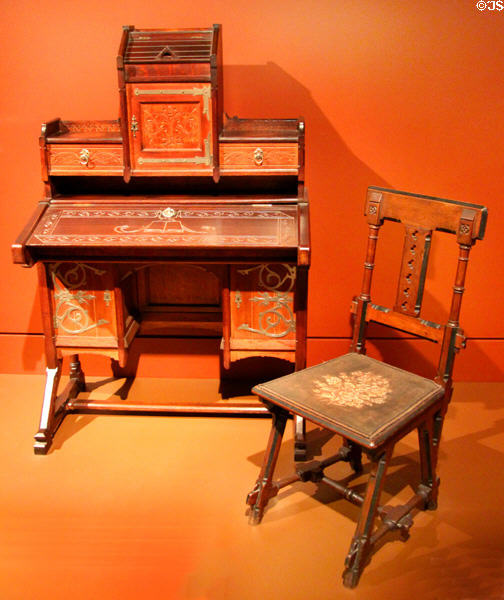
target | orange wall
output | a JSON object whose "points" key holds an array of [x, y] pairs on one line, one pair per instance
{"points": [[394, 92]]}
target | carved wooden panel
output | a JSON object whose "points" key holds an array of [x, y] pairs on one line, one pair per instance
{"points": [[84, 304], [94, 126], [170, 127], [99, 159], [262, 307], [167, 126], [259, 158], [164, 226], [413, 270]]}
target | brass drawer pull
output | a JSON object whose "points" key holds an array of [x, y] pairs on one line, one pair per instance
{"points": [[258, 156], [134, 125], [84, 157]]}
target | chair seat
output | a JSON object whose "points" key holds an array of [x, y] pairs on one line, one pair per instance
{"points": [[361, 398]]}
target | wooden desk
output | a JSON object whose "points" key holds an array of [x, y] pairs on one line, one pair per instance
{"points": [[169, 221]]}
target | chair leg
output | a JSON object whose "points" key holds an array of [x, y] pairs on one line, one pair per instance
{"points": [[360, 547], [429, 436], [264, 490], [299, 438], [355, 458]]}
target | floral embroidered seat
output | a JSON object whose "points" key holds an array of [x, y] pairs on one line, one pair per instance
{"points": [[369, 403], [360, 398]]}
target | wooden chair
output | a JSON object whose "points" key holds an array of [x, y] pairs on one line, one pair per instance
{"points": [[369, 403]]}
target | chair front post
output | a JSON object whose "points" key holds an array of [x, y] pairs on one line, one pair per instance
{"points": [[360, 547], [263, 490]]}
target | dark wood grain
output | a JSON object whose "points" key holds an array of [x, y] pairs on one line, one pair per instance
{"points": [[370, 404], [168, 221]]}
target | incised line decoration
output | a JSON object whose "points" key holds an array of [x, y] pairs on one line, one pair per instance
{"points": [[92, 126], [170, 126], [268, 157], [167, 225], [279, 314], [357, 389], [206, 159], [271, 280], [71, 314], [85, 158], [167, 221], [277, 320]]}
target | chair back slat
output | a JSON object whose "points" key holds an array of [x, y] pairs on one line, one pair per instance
{"points": [[391, 318], [420, 217], [426, 212], [413, 269]]}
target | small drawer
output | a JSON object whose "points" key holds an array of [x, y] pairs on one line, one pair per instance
{"points": [[256, 158], [69, 159]]}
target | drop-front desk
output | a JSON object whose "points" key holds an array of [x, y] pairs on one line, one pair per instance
{"points": [[172, 220]]}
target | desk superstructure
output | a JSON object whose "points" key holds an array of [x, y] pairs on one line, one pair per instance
{"points": [[171, 220]]}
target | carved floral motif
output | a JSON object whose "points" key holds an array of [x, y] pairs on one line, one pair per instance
{"points": [[166, 225], [278, 314], [270, 279], [71, 313], [126, 239], [92, 126], [271, 156], [277, 319], [171, 126], [71, 157]]}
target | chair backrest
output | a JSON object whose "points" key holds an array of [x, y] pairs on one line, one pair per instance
{"points": [[420, 216]]}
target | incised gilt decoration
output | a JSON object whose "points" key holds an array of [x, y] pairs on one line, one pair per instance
{"points": [[70, 313]]}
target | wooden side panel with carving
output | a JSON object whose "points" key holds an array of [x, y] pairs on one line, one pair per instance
{"points": [[170, 128], [84, 305], [262, 309]]}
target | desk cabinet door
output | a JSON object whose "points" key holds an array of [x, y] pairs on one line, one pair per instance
{"points": [[262, 308], [170, 128], [84, 310]]}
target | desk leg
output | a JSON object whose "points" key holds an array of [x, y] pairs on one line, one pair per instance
{"points": [[300, 306], [50, 419], [53, 406], [77, 374], [226, 321]]}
